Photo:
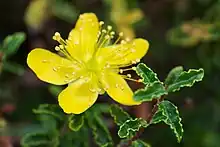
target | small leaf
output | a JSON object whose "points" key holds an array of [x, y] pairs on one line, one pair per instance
{"points": [[119, 115], [140, 143], [76, 122], [100, 131], [130, 126], [12, 43], [173, 119], [173, 75], [155, 90], [39, 139], [186, 79], [146, 74], [49, 109], [158, 117]]}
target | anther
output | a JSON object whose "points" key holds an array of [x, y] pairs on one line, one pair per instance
{"points": [[137, 60], [104, 31], [101, 23], [140, 80], [129, 75], [112, 33], [121, 34], [57, 48], [109, 27], [121, 71], [61, 47], [107, 37]]}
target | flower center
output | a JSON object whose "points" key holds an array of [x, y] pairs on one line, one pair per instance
{"points": [[93, 66]]}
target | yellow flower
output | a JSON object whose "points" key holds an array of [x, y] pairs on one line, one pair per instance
{"points": [[88, 64]]}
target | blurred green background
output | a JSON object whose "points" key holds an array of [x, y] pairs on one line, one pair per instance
{"points": [[180, 32]]}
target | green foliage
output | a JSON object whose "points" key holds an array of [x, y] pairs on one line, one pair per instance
{"points": [[12, 43], [173, 75], [177, 79], [146, 74], [153, 91], [119, 115], [131, 126], [168, 113], [52, 110], [9, 47], [76, 122], [65, 11], [100, 131], [140, 143], [37, 139]]}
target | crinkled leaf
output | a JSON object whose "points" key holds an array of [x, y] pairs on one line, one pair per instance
{"points": [[150, 92], [158, 117], [76, 122], [49, 123], [186, 79], [172, 119], [130, 126], [75, 139], [100, 131], [140, 143], [119, 115], [50, 109], [173, 75], [12, 43], [146, 74], [39, 139]]}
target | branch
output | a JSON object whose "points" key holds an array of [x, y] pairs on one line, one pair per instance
{"points": [[149, 119]]}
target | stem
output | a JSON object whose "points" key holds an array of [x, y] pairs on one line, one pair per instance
{"points": [[149, 119]]}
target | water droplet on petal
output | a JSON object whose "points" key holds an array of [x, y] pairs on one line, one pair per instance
{"points": [[55, 69]]}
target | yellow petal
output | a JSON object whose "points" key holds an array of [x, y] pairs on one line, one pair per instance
{"points": [[52, 68], [83, 37], [117, 88], [124, 54], [78, 96]]}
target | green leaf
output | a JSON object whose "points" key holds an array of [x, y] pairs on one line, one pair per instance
{"points": [[158, 117], [146, 74], [172, 119], [155, 90], [13, 68], [186, 79], [173, 75], [39, 139], [12, 42], [131, 126], [100, 131], [65, 11], [119, 115], [140, 143], [50, 109], [76, 122]]}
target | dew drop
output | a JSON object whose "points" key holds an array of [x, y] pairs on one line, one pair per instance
{"points": [[44, 61], [55, 69], [67, 76]]}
